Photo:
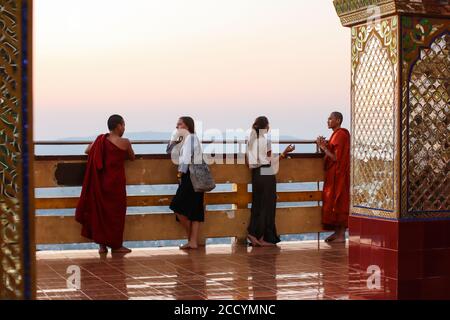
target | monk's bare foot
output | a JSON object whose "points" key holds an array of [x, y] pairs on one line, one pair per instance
{"points": [[339, 240], [103, 249], [340, 236], [255, 242], [121, 250], [267, 244], [331, 238]]}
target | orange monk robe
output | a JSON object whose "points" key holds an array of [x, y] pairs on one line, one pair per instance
{"points": [[336, 190]]}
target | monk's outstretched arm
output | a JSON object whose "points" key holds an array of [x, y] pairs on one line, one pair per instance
{"points": [[88, 149], [131, 154]]}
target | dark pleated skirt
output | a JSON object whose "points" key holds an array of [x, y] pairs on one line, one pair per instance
{"points": [[264, 206], [187, 202]]}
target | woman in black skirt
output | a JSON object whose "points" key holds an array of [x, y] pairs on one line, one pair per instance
{"points": [[262, 230], [187, 204]]}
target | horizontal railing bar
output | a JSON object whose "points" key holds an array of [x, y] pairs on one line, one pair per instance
{"points": [[164, 156], [165, 142], [68, 171], [215, 198], [162, 226]]}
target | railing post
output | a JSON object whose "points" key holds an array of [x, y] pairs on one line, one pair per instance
{"points": [[201, 237], [241, 203]]}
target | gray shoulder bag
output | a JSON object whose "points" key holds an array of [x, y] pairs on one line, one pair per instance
{"points": [[201, 177]]}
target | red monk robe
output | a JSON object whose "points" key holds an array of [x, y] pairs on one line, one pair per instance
{"points": [[336, 190], [103, 203]]}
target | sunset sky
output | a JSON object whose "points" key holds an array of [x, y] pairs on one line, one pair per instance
{"points": [[224, 62]]}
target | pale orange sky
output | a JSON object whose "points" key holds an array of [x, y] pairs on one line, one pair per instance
{"points": [[224, 62]]}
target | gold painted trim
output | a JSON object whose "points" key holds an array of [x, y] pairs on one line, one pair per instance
{"points": [[15, 251], [354, 12], [387, 33], [30, 134]]}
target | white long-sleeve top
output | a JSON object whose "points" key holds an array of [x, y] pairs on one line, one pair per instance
{"points": [[257, 150], [185, 158]]}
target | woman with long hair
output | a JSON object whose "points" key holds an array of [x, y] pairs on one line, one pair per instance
{"points": [[187, 204], [262, 230]]}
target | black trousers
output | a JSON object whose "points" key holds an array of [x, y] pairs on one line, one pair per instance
{"points": [[264, 205]]}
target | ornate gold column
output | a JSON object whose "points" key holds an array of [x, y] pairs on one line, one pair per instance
{"points": [[17, 250], [400, 88]]}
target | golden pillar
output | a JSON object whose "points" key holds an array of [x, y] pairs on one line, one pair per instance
{"points": [[400, 88], [17, 249]]}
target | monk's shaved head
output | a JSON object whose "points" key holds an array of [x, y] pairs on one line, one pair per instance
{"points": [[338, 116], [114, 121]]}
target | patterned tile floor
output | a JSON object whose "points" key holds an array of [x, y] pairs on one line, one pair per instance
{"points": [[299, 270]]}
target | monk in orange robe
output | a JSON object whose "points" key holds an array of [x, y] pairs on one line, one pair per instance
{"points": [[336, 189], [102, 206]]}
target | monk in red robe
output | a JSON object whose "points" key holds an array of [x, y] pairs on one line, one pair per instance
{"points": [[336, 190], [102, 206]]}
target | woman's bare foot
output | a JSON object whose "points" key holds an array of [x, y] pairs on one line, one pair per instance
{"points": [[103, 249], [255, 242], [189, 246], [184, 247], [193, 246], [267, 244], [122, 250]]}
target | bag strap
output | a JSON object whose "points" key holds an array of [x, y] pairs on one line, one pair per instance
{"points": [[192, 148]]}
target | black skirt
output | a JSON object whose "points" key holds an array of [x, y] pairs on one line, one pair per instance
{"points": [[264, 206], [187, 202]]}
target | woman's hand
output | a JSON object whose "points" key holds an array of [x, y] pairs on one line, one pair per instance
{"points": [[178, 136], [179, 176], [290, 148]]}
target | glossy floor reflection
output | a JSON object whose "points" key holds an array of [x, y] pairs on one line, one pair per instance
{"points": [[299, 270]]}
